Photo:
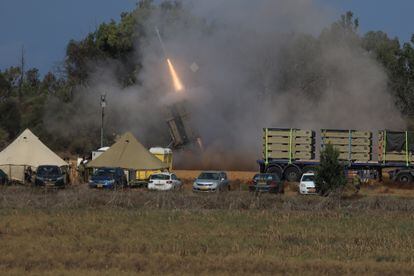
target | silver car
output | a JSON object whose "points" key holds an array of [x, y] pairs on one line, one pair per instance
{"points": [[211, 181]]}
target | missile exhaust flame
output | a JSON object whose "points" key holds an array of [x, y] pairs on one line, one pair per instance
{"points": [[178, 86]]}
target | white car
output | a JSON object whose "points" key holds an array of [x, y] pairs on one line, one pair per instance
{"points": [[307, 184], [164, 182]]}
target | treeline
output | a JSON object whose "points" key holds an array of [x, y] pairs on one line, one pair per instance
{"points": [[25, 97]]}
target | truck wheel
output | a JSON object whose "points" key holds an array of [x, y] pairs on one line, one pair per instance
{"points": [[404, 178], [292, 174], [275, 170]]}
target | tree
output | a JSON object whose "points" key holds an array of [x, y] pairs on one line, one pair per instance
{"points": [[32, 77], [10, 117], [343, 31], [5, 86], [4, 138], [330, 176], [13, 75], [396, 62]]}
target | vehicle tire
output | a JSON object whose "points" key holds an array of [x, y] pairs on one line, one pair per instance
{"points": [[404, 178], [292, 174], [275, 170]]}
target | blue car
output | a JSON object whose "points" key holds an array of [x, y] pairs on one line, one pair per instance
{"points": [[108, 178]]}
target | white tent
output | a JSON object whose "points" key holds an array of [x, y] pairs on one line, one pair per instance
{"points": [[27, 150]]}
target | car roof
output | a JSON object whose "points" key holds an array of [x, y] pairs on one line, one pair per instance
{"points": [[48, 166], [309, 173], [165, 173]]}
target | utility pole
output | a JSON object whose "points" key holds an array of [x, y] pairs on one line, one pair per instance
{"points": [[103, 105], [21, 72]]}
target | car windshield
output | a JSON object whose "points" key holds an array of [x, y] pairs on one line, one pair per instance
{"points": [[308, 178], [48, 170], [209, 175], [266, 177], [160, 177], [105, 172]]}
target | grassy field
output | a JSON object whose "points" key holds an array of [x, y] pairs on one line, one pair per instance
{"points": [[121, 241], [89, 232]]}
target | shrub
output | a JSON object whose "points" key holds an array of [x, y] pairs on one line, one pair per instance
{"points": [[330, 176]]}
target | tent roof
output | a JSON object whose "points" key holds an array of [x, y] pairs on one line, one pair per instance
{"points": [[128, 153], [28, 150]]}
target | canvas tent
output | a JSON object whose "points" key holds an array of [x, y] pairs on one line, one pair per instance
{"points": [[127, 153], [27, 150]]}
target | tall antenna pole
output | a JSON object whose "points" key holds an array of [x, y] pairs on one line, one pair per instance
{"points": [[103, 105], [21, 72]]}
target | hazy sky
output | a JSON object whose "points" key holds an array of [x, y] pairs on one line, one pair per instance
{"points": [[45, 26]]}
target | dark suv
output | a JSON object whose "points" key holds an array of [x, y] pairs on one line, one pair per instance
{"points": [[108, 178], [50, 176], [266, 182]]}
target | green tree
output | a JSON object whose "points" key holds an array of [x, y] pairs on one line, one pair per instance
{"points": [[330, 176], [396, 62], [32, 77], [342, 32], [4, 138], [10, 117], [5, 86], [13, 75]]}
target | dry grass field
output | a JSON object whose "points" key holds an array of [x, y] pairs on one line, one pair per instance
{"points": [[128, 232], [124, 242]]}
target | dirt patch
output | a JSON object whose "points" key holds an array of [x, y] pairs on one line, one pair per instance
{"points": [[232, 175], [399, 185]]}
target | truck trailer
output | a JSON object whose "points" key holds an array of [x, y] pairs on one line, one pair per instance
{"points": [[291, 152]]}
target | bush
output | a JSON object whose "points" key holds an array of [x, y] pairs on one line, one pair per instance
{"points": [[330, 176]]}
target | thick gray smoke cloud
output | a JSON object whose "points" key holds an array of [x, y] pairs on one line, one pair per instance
{"points": [[262, 64]]}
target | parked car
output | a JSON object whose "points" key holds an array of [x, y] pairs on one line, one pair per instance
{"points": [[108, 178], [307, 184], [164, 182], [211, 181], [267, 182], [4, 178], [50, 176]]}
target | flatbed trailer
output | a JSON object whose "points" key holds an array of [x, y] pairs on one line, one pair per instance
{"points": [[293, 170], [291, 144]]}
